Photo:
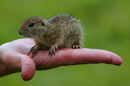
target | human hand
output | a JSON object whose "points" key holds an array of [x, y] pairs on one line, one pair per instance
{"points": [[14, 58]]}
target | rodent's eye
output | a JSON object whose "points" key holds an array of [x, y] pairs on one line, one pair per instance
{"points": [[31, 24]]}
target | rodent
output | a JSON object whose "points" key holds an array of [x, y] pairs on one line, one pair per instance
{"points": [[61, 31]]}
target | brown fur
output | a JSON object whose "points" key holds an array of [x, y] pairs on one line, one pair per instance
{"points": [[59, 31]]}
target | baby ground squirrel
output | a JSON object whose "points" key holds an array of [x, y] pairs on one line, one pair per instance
{"points": [[57, 32]]}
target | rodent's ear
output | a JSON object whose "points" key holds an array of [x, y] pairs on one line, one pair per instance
{"points": [[45, 22]]}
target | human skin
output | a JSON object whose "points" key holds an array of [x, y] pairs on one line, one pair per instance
{"points": [[15, 57]]}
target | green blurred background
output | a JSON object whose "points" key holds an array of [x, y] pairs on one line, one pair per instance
{"points": [[107, 24]]}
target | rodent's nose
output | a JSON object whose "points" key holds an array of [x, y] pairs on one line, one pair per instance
{"points": [[20, 33]]}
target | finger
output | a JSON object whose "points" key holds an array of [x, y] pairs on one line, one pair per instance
{"points": [[93, 56], [96, 56], [28, 67], [76, 56]]}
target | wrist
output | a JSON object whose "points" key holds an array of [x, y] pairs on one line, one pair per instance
{"points": [[2, 67], [1, 54]]}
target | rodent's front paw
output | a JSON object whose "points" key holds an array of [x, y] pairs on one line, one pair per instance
{"points": [[76, 46], [53, 49], [34, 49]]}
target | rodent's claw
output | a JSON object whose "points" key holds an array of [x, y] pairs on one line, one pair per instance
{"points": [[56, 47], [34, 50], [53, 49], [51, 52], [76, 46]]}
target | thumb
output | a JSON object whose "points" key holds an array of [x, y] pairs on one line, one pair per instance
{"points": [[28, 67]]}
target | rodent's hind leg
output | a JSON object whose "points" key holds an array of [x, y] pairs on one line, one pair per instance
{"points": [[53, 49], [76, 46]]}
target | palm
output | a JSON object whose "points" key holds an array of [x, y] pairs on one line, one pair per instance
{"points": [[15, 58]]}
